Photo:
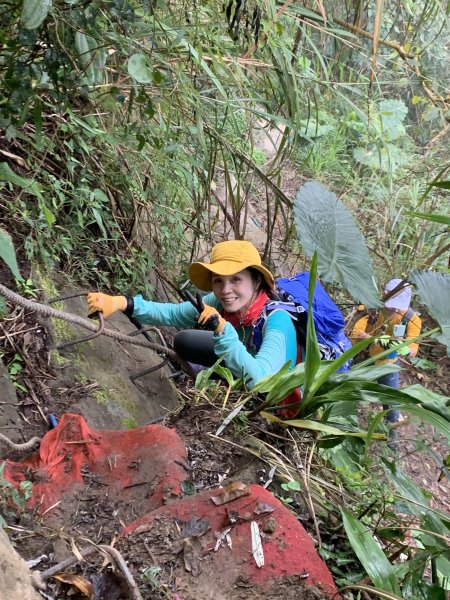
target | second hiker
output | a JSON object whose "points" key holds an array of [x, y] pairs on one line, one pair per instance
{"points": [[391, 326]]}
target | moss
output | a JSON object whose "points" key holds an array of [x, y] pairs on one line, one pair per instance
{"points": [[59, 359], [103, 395], [46, 284]]}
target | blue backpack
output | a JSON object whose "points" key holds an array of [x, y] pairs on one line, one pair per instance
{"points": [[328, 319]]}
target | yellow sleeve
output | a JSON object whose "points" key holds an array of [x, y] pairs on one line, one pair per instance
{"points": [[413, 329], [359, 327]]}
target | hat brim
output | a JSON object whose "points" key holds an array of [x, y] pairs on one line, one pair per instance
{"points": [[400, 301], [201, 273]]}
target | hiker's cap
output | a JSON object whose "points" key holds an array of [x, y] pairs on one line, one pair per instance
{"points": [[402, 299], [228, 258]]}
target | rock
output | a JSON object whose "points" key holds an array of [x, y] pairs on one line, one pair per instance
{"points": [[116, 402], [288, 551], [15, 577]]}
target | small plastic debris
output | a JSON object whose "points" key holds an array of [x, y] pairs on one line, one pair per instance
{"points": [[232, 491], [257, 549], [263, 508], [270, 478], [35, 561], [52, 421], [230, 417], [221, 537], [233, 516]]}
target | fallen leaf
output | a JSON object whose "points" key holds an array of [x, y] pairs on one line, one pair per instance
{"points": [[262, 508], [82, 584], [18, 159], [191, 555], [75, 550], [196, 527], [231, 492]]}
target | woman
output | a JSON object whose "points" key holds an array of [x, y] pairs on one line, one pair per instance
{"points": [[251, 343]]}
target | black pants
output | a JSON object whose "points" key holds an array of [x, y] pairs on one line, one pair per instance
{"points": [[195, 346]]}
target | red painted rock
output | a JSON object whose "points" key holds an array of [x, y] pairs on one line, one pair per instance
{"points": [[288, 549], [138, 465]]}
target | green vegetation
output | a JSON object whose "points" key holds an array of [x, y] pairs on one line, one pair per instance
{"points": [[123, 119], [12, 499]]}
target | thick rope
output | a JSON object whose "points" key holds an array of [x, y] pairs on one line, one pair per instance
{"points": [[48, 311], [21, 447]]}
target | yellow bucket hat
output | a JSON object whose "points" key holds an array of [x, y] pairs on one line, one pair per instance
{"points": [[228, 258]]}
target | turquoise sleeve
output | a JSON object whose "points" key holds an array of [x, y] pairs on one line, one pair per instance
{"points": [[183, 315], [279, 346]]}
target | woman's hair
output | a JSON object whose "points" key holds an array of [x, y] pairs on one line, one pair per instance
{"points": [[262, 284]]}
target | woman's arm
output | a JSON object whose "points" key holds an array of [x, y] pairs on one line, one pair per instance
{"points": [[278, 347], [183, 315]]}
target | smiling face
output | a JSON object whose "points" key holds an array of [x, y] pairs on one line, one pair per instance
{"points": [[235, 292]]}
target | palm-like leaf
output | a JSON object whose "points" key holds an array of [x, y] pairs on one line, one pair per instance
{"points": [[325, 225], [434, 291], [370, 554]]}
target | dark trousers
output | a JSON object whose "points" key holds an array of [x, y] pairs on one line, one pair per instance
{"points": [[391, 380], [195, 346]]}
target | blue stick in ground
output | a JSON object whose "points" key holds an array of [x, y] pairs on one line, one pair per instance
{"points": [[53, 421]]}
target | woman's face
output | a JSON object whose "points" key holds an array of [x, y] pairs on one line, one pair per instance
{"points": [[235, 292]]}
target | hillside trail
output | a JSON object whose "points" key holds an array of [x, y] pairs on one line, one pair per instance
{"points": [[94, 381]]}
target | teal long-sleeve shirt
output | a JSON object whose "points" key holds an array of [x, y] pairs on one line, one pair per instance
{"points": [[279, 343]]}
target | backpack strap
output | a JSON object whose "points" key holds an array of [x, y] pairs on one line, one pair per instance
{"points": [[293, 310], [409, 314]]}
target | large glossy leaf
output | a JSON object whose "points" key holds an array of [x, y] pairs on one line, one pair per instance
{"points": [[417, 499], [365, 391], [317, 426], [140, 68], [438, 422], [91, 57], [34, 13], [266, 384], [368, 373], [325, 225], [370, 554], [433, 401], [8, 254], [434, 291], [7, 174], [336, 364]]}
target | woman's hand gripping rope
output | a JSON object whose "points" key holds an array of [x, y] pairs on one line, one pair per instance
{"points": [[209, 318]]}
